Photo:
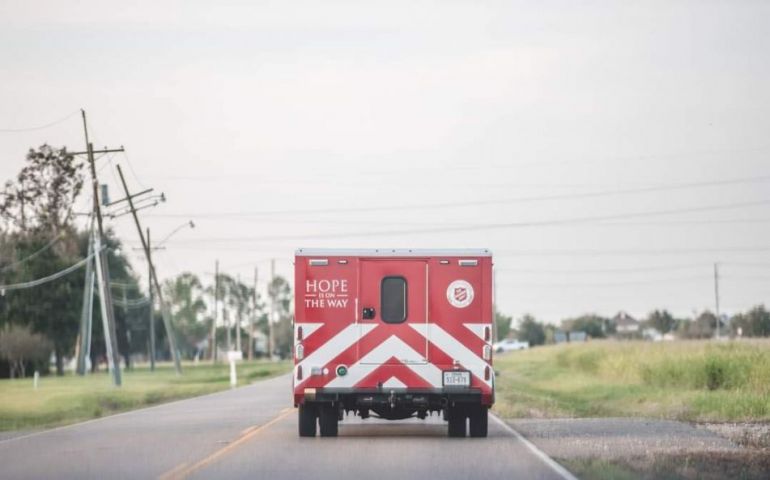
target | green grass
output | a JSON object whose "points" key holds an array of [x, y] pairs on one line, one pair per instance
{"points": [[61, 400], [596, 469], [695, 380], [740, 464]]}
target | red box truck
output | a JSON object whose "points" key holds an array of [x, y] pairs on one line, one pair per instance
{"points": [[395, 334]]}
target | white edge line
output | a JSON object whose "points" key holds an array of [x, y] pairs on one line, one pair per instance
{"points": [[563, 472], [128, 412]]}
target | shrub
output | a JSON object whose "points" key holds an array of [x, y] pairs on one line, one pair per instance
{"points": [[19, 346]]}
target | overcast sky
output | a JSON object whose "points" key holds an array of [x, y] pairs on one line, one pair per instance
{"points": [[277, 125]]}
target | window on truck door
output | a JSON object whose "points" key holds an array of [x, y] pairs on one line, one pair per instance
{"points": [[393, 299]]}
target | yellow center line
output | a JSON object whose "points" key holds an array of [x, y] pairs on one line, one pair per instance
{"points": [[174, 471], [183, 471]]}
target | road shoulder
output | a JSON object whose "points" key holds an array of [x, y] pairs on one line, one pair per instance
{"points": [[645, 448]]}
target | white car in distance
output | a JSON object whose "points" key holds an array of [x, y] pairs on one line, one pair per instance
{"points": [[509, 345]]}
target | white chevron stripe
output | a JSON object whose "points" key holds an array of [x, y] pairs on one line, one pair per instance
{"points": [[307, 329], [452, 347], [477, 328], [393, 382], [338, 344], [392, 347]]}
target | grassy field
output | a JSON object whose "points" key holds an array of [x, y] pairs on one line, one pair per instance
{"points": [[61, 400], [687, 380]]}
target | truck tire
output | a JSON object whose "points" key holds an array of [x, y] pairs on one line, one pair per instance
{"points": [[456, 417], [328, 420], [479, 421], [307, 419]]}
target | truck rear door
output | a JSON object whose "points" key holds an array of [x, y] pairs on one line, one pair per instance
{"points": [[392, 298]]}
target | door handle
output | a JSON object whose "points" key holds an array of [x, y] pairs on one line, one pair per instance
{"points": [[368, 313]]}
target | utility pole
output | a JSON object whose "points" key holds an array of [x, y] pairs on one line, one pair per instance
{"points": [[270, 339], [226, 318], [163, 307], [102, 267], [216, 314], [128, 330], [253, 321], [238, 345], [716, 296], [87, 314], [152, 304]]}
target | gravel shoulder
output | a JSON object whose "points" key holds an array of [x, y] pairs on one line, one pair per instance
{"points": [[638, 448], [609, 438]]}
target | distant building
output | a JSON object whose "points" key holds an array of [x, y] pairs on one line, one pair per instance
{"points": [[560, 337], [625, 324]]}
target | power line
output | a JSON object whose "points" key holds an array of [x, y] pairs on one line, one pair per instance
{"points": [[498, 226], [492, 167], [370, 221], [131, 302], [653, 251], [131, 305], [566, 196], [124, 285], [642, 269], [680, 223], [34, 254], [49, 278], [606, 270], [747, 264], [611, 284], [133, 172], [39, 127], [765, 278]]}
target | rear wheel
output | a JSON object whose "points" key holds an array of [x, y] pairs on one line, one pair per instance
{"points": [[456, 418], [479, 421], [328, 420], [308, 413]]}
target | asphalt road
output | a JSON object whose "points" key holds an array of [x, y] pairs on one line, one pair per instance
{"points": [[251, 432]]}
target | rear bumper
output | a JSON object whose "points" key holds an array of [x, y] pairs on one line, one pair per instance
{"points": [[418, 398]]}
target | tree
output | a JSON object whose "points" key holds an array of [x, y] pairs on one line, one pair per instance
{"points": [[530, 330], [702, 327], [44, 192], [593, 325], [754, 323], [52, 309], [279, 295], [503, 323], [36, 214], [236, 301], [131, 325], [185, 295], [661, 320], [19, 346], [240, 302]]}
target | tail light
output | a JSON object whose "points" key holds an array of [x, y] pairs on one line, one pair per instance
{"points": [[486, 352], [487, 334], [299, 333], [486, 373], [299, 372], [299, 352]]}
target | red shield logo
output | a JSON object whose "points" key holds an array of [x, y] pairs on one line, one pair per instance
{"points": [[461, 294]]}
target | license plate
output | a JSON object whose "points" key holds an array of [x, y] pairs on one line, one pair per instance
{"points": [[457, 378]]}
